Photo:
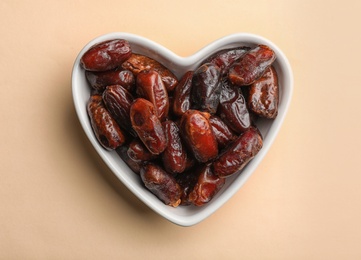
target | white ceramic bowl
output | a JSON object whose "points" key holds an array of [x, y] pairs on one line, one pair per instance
{"points": [[183, 215]]}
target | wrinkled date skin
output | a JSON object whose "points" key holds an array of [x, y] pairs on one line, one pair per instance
{"points": [[150, 86], [198, 135], [122, 151], [223, 59], [182, 94], [233, 108], [137, 63], [174, 156], [100, 80], [222, 132], [104, 126], [264, 94], [206, 88], [206, 187], [106, 55], [118, 101], [251, 66], [138, 152], [147, 125], [236, 156], [161, 184]]}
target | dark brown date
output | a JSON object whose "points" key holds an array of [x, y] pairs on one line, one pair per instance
{"points": [[223, 59], [236, 156], [150, 86], [147, 125], [251, 66], [206, 187], [122, 151], [233, 108], [161, 184], [264, 94], [138, 152], [118, 101], [174, 156], [182, 94], [222, 132], [104, 126], [137, 63], [100, 80], [106, 55], [198, 135], [206, 88]]}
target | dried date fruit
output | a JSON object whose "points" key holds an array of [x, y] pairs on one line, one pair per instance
{"points": [[118, 101], [223, 59], [147, 125], [137, 63], [104, 126], [150, 86], [264, 94], [174, 156], [236, 156], [222, 132], [198, 135], [122, 151], [206, 187], [182, 94], [233, 108], [101, 79], [251, 66], [161, 184], [138, 152], [206, 88], [106, 55]]}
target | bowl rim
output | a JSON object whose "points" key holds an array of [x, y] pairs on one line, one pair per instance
{"points": [[168, 212]]}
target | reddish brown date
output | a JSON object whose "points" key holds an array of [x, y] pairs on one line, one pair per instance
{"points": [[147, 125], [182, 94], [174, 156], [100, 80], [223, 59], [161, 184], [150, 86], [104, 126], [106, 55], [222, 132], [206, 187], [137, 63], [239, 153], [264, 94], [118, 101], [138, 152], [251, 66], [206, 88], [122, 151], [233, 108], [198, 135]]}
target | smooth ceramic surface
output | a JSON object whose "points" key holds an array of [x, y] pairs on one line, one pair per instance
{"points": [[183, 215]]}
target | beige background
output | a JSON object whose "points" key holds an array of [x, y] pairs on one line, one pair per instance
{"points": [[58, 200]]}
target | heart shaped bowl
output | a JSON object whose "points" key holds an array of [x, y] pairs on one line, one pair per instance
{"points": [[184, 215]]}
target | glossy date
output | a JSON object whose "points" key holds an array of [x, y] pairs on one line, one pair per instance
{"points": [[161, 184], [147, 125], [106, 130], [106, 55], [238, 154], [264, 95], [251, 66]]}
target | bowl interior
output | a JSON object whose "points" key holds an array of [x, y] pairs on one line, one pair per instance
{"points": [[183, 215]]}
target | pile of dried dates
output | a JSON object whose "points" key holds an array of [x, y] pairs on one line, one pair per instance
{"points": [[182, 136]]}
